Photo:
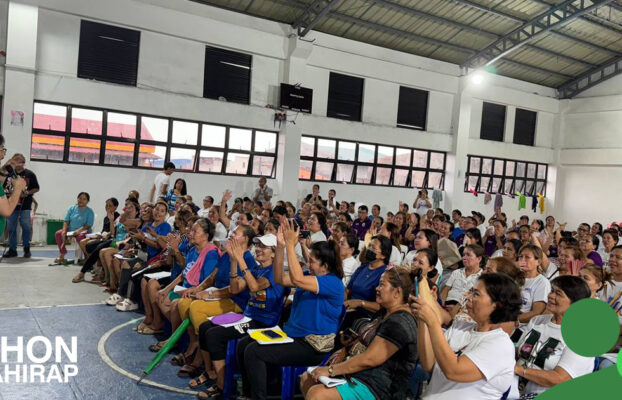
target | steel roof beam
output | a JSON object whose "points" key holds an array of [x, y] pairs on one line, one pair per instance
{"points": [[312, 15], [536, 27], [591, 78], [473, 29], [521, 21]]}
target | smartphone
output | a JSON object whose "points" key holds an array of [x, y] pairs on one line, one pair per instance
{"points": [[271, 334], [305, 234]]}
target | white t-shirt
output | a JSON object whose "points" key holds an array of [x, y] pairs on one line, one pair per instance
{"points": [[608, 295], [160, 180], [318, 236], [396, 256], [422, 207], [459, 283], [220, 232], [493, 354], [350, 265], [535, 289], [204, 212], [574, 364], [605, 257]]}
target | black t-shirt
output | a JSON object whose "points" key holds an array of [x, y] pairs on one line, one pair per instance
{"points": [[32, 183], [390, 380], [106, 227]]}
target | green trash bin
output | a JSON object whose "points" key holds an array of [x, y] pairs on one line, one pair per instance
{"points": [[53, 226]]}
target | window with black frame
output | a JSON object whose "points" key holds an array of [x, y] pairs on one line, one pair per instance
{"points": [[344, 161], [82, 135], [497, 175]]}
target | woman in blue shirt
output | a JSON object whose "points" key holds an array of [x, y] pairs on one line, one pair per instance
{"points": [[264, 307], [316, 310], [361, 291], [178, 190], [78, 220]]}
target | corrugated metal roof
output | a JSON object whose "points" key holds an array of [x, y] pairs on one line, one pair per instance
{"points": [[454, 30]]}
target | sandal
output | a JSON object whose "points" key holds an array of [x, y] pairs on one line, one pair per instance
{"points": [[155, 348], [213, 392], [188, 371], [179, 360], [199, 381], [139, 327], [149, 331], [78, 279]]}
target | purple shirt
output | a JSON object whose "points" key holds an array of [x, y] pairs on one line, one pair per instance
{"points": [[360, 228], [491, 245]]}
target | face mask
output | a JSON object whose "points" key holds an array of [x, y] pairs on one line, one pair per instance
{"points": [[370, 255]]}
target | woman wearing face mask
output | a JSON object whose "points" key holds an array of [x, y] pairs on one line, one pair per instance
{"points": [[544, 359], [472, 359], [316, 310], [463, 279], [348, 249], [537, 287]]}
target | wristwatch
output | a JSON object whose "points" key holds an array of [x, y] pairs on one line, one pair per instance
{"points": [[330, 371]]}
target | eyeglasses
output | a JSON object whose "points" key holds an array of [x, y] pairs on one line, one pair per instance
{"points": [[4, 149]]}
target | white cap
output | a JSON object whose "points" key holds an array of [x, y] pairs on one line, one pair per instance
{"points": [[267, 240]]}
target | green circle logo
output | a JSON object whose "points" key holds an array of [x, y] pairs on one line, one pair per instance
{"points": [[579, 323]]}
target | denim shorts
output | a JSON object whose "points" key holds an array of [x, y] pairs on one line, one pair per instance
{"points": [[355, 391]]}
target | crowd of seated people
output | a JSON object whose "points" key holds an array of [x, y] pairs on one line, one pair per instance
{"points": [[410, 305]]}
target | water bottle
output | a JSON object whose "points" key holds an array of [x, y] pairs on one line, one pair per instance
{"points": [[239, 386]]}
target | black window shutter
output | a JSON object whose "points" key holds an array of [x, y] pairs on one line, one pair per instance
{"points": [[345, 97], [227, 74], [525, 127], [493, 122], [412, 108], [108, 53]]}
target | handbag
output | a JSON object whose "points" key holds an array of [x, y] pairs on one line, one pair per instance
{"points": [[321, 343]]}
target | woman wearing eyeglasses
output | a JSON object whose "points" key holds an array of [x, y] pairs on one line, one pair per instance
{"points": [[7, 206]]}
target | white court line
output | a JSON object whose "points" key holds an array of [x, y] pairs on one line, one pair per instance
{"points": [[55, 305], [101, 348]]}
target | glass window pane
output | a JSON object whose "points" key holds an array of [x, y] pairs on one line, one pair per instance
{"points": [[50, 117], [531, 170], [151, 156], [326, 148], [541, 171], [185, 132], [383, 176], [498, 167], [474, 165], [86, 121], [417, 179], [210, 161], [434, 180], [363, 173], [542, 188], [400, 176], [402, 157], [84, 150], [344, 173], [366, 153], [121, 125], [262, 165], [240, 139], [509, 168], [520, 169], [420, 159], [486, 166], [237, 163], [385, 155], [483, 184], [213, 136], [46, 147], [519, 185], [154, 129], [437, 160], [507, 185], [307, 145], [347, 151], [472, 183], [496, 182], [119, 153], [265, 142], [305, 169], [323, 171], [183, 158]]}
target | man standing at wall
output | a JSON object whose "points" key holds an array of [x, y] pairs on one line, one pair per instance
{"points": [[263, 193], [21, 214], [162, 182]]}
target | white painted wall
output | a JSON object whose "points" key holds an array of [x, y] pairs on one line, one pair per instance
{"points": [[170, 79]]}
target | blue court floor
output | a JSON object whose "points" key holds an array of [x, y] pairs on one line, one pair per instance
{"points": [[98, 377]]}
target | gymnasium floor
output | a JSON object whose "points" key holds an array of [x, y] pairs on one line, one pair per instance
{"points": [[37, 299]]}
